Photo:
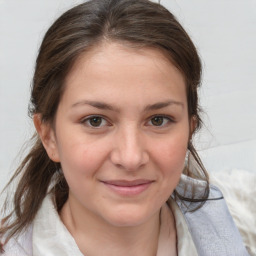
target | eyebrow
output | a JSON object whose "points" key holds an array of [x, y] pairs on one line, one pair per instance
{"points": [[163, 104], [105, 106], [96, 104]]}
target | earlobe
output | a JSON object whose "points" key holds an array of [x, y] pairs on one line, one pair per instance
{"points": [[47, 136]]}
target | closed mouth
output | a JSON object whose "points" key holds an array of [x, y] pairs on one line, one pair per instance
{"points": [[128, 188], [127, 183]]}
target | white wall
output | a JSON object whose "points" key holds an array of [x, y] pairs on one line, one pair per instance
{"points": [[225, 34]]}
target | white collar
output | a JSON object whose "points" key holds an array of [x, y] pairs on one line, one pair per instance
{"points": [[51, 237], [184, 238]]}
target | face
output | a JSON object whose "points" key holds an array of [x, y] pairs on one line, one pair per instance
{"points": [[121, 133]]}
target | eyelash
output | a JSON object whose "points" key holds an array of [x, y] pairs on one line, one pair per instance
{"points": [[86, 121], [166, 119]]}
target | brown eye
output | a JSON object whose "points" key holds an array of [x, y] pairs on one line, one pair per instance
{"points": [[157, 120], [95, 121], [160, 121]]}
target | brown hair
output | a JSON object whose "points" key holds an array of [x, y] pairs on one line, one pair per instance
{"points": [[141, 23]]}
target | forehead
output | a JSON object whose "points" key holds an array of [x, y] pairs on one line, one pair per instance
{"points": [[108, 53], [113, 67]]}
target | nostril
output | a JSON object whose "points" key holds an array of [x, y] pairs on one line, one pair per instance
{"points": [[119, 166], [130, 161], [128, 151]]}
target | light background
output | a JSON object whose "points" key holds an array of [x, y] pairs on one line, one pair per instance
{"points": [[224, 32]]}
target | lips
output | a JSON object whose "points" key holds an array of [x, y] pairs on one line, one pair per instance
{"points": [[126, 183], [128, 187]]}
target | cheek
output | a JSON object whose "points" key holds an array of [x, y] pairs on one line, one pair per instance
{"points": [[81, 158], [171, 152], [169, 157], [80, 164]]}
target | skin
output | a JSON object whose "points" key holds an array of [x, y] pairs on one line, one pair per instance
{"points": [[122, 120]]}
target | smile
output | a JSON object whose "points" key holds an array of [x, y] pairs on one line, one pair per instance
{"points": [[128, 188]]}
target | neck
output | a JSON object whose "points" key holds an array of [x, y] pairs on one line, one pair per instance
{"points": [[95, 236]]}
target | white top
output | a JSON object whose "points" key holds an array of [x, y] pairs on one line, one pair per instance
{"points": [[48, 232]]}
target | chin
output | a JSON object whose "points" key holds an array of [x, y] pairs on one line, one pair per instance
{"points": [[129, 217]]}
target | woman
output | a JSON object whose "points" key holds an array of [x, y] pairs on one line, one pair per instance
{"points": [[113, 170]]}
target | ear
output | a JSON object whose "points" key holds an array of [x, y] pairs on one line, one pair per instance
{"points": [[47, 136], [193, 125]]}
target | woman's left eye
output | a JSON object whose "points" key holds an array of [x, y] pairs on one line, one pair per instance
{"points": [[95, 122], [159, 121]]}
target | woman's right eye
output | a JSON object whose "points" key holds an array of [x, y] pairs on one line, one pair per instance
{"points": [[95, 122]]}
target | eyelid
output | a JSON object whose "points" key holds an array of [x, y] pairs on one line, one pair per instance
{"points": [[169, 120], [87, 118]]}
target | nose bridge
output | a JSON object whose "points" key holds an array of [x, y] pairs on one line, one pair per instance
{"points": [[129, 151]]}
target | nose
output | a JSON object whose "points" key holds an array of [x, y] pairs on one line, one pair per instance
{"points": [[129, 151]]}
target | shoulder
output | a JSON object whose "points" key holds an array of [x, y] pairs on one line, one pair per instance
{"points": [[239, 190], [21, 245], [211, 225]]}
